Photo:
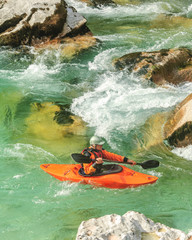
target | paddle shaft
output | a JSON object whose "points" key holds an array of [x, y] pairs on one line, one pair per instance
{"points": [[106, 160], [145, 165], [85, 159]]}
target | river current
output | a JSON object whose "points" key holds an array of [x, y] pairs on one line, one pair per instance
{"points": [[126, 110]]}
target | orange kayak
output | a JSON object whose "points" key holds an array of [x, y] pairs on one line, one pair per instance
{"points": [[126, 178]]}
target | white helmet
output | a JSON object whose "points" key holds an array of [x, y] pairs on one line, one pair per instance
{"points": [[96, 140]]}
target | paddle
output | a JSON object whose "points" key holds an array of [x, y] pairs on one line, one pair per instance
{"points": [[78, 157]]}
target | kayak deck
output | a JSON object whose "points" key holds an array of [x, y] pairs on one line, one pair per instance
{"points": [[125, 179]]}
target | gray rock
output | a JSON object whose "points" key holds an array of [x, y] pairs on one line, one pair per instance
{"points": [[27, 22], [74, 21], [130, 226]]}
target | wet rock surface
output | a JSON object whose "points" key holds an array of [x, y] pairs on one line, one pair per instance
{"points": [[161, 67], [178, 128], [34, 22]]}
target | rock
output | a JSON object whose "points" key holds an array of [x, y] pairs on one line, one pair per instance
{"points": [[170, 21], [189, 236], [2, 2], [111, 2], [152, 131], [161, 67], [34, 22], [69, 47], [51, 121], [130, 226], [74, 22], [102, 2], [178, 128], [97, 3]]}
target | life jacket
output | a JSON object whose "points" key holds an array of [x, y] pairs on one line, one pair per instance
{"points": [[93, 154]]}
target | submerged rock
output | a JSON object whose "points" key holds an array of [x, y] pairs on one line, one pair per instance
{"points": [[52, 121], [35, 22], [69, 46], [171, 21], [178, 128], [152, 131], [165, 66], [130, 226]]}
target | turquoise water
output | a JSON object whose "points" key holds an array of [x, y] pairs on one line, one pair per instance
{"points": [[124, 109]]}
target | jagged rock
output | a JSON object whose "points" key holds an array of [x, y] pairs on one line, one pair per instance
{"points": [[178, 128], [34, 22], [74, 22], [161, 67], [130, 226]]}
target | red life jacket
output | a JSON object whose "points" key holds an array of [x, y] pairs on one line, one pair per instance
{"points": [[93, 154]]}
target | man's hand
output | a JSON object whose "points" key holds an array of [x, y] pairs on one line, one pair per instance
{"points": [[131, 162], [99, 160]]}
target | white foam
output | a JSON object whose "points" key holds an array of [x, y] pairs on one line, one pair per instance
{"points": [[185, 152], [22, 151], [145, 9], [64, 192], [67, 189], [172, 40], [38, 201], [18, 176], [121, 102], [39, 75], [189, 11], [103, 60], [154, 173]]}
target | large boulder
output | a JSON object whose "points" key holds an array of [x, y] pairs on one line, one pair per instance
{"points": [[33, 22], [178, 128], [130, 226], [165, 66]]}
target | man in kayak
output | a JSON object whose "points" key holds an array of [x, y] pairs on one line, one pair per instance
{"points": [[97, 154]]}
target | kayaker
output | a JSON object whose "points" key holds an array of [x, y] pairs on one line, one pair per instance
{"points": [[97, 154]]}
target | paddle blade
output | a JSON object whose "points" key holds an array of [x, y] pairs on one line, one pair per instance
{"points": [[78, 157], [149, 164]]}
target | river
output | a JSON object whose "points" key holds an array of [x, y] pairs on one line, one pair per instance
{"points": [[127, 111]]}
